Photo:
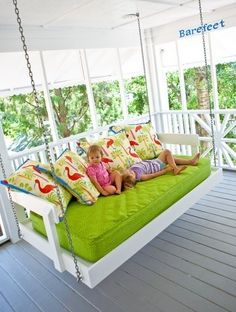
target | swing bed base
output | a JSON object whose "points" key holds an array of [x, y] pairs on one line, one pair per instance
{"points": [[94, 273]]}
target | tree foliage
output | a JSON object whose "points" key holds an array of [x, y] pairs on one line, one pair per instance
{"points": [[136, 95], [196, 87], [71, 108], [108, 101]]}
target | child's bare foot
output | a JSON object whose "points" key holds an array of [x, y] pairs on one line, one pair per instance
{"points": [[117, 192], [195, 159], [178, 169]]}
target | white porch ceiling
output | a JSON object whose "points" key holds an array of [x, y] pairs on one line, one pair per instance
{"points": [[103, 14]]}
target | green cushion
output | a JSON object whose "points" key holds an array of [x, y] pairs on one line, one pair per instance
{"points": [[99, 228]]}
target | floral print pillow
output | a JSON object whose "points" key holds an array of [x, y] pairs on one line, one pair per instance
{"points": [[144, 140], [70, 171], [117, 152], [29, 178]]}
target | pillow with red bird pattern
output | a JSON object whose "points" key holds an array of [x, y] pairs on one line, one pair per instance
{"points": [[31, 178], [117, 152], [70, 171]]}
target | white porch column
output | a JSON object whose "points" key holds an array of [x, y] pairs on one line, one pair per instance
{"points": [[88, 84], [51, 118], [151, 76], [182, 89], [122, 86], [5, 206], [217, 134], [163, 90]]}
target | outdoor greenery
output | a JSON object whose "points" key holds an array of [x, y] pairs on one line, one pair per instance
{"points": [[71, 109], [19, 114], [108, 101], [196, 87]]}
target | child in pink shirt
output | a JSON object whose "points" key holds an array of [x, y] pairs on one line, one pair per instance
{"points": [[106, 182]]}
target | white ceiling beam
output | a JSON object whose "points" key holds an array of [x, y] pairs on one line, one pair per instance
{"points": [[68, 13]]}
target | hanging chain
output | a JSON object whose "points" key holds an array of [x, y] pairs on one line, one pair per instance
{"points": [[143, 61], [10, 199], [48, 153], [212, 116]]}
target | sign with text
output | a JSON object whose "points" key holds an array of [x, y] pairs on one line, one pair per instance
{"points": [[202, 28]]}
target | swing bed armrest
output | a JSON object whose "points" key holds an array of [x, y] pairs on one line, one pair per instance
{"points": [[24, 203], [191, 140], [33, 203]]}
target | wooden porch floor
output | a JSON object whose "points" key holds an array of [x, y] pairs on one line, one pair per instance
{"points": [[191, 266]]}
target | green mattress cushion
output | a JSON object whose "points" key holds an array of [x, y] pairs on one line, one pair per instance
{"points": [[99, 228]]}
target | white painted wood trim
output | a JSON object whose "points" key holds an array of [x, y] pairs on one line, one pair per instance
{"points": [[121, 85], [191, 140], [94, 273], [92, 105], [50, 111]]}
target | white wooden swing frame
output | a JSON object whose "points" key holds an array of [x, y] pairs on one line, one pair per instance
{"points": [[94, 273]]}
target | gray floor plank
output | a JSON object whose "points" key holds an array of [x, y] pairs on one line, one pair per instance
{"points": [[195, 228], [226, 190], [209, 224], [187, 281], [228, 249], [99, 299], [146, 293], [219, 201], [214, 211], [13, 292], [5, 305], [215, 218], [193, 257], [51, 292], [125, 298], [215, 204], [194, 270], [172, 289], [199, 248], [224, 195]]}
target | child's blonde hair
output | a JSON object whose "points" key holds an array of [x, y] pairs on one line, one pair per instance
{"points": [[128, 181], [93, 149]]}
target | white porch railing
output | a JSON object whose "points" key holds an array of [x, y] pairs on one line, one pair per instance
{"points": [[188, 122], [199, 122]]}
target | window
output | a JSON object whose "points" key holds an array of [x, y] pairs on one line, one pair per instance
{"points": [[108, 102], [174, 95], [71, 110]]}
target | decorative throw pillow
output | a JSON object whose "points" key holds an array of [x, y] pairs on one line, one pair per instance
{"points": [[144, 140], [70, 171], [29, 178], [117, 152]]}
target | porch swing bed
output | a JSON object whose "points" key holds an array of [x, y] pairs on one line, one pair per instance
{"points": [[106, 234], [109, 232]]}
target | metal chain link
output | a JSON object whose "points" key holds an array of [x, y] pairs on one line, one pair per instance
{"points": [[212, 116], [143, 61], [48, 153], [10, 199]]}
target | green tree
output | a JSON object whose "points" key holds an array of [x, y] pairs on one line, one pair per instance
{"points": [[108, 101], [173, 90], [20, 120], [137, 95], [71, 110], [226, 81]]}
